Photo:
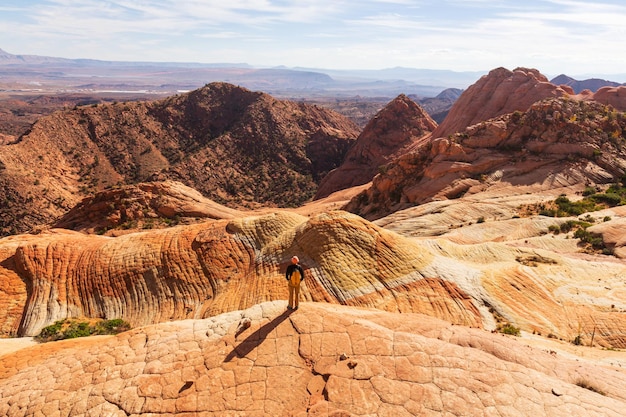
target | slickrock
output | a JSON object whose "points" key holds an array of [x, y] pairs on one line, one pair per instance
{"points": [[393, 131], [613, 236], [322, 360], [205, 269]]}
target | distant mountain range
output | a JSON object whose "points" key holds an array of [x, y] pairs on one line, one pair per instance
{"points": [[591, 84], [29, 72]]}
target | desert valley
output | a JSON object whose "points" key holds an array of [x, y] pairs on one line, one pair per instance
{"points": [[464, 253]]}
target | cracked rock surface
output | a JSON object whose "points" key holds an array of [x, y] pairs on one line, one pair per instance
{"points": [[322, 360]]}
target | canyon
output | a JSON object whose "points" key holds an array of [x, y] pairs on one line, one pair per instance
{"points": [[421, 243]]}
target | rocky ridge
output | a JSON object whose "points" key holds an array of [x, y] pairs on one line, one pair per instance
{"points": [[151, 205], [503, 91], [557, 144], [392, 132], [591, 84], [235, 146]]}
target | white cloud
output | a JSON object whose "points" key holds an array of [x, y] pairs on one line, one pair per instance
{"points": [[551, 35]]}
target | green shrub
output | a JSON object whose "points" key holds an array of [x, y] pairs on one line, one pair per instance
{"points": [[51, 332], [587, 237], [554, 229], [111, 326], [508, 328], [610, 199], [70, 329], [589, 191], [76, 329]]}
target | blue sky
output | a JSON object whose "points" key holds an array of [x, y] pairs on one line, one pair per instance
{"points": [[554, 36]]}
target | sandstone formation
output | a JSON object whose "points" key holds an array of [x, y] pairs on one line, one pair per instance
{"points": [[614, 96], [392, 132], [235, 146], [556, 144], [500, 92], [503, 91], [200, 270], [149, 205], [204, 269], [613, 235], [322, 360]]}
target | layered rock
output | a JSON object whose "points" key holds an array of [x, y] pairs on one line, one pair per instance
{"points": [[392, 132], [322, 360], [201, 270], [205, 269]]}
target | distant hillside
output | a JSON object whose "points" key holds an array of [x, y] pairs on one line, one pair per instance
{"points": [[235, 146], [439, 106], [591, 84]]}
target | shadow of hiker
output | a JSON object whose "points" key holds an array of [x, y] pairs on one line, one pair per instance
{"points": [[256, 338]]}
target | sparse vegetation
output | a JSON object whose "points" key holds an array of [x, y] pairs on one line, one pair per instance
{"points": [[508, 328], [586, 385], [593, 200], [502, 325], [534, 260], [70, 329]]}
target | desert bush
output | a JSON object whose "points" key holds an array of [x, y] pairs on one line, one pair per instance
{"points": [[508, 328], [587, 237], [70, 329], [610, 199], [113, 326], [586, 385]]}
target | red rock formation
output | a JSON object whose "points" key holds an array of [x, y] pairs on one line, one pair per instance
{"points": [[235, 146], [392, 132], [500, 92], [150, 205], [322, 360], [614, 96], [556, 143], [206, 269]]}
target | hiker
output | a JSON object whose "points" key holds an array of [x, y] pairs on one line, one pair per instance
{"points": [[294, 276]]}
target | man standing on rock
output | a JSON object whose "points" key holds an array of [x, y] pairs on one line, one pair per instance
{"points": [[294, 276]]}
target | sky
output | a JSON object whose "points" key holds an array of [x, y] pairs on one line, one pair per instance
{"points": [[572, 37]]}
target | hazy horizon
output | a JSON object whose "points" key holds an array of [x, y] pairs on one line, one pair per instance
{"points": [[577, 38]]}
